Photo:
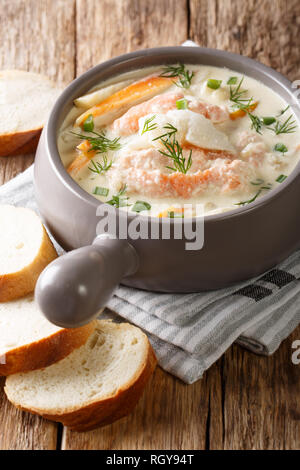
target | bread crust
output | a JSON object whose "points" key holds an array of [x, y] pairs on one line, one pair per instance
{"points": [[29, 147], [106, 411], [46, 351], [19, 143], [23, 142], [20, 283]]}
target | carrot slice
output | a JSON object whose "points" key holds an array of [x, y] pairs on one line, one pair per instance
{"points": [[123, 99], [176, 210], [83, 158], [239, 113]]}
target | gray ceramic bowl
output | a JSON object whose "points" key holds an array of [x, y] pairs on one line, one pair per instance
{"points": [[238, 244]]}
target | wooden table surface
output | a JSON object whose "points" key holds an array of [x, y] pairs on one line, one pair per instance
{"points": [[244, 401]]}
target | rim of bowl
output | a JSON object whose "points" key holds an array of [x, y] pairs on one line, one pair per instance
{"points": [[166, 53]]}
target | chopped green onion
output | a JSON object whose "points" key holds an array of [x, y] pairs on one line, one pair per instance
{"points": [[88, 124], [281, 148], [232, 81], [268, 120], [99, 191], [213, 83], [140, 206], [119, 200], [175, 215], [182, 104], [281, 178]]}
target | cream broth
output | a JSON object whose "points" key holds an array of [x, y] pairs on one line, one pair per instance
{"points": [[164, 146]]}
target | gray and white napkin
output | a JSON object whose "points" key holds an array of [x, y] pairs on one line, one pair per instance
{"points": [[189, 332]]}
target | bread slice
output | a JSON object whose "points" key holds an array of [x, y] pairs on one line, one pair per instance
{"points": [[25, 250], [95, 385], [29, 147], [28, 341], [25, 101]]}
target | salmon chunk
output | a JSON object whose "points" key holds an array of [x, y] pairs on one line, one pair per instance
{"points": [[228, 177], [129, 122], [146, 172], [213, 112], [152, 159]]}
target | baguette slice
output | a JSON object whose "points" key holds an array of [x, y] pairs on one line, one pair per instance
{"points": [[28, 341], [25, 250], [95, 385], [25, 101]]}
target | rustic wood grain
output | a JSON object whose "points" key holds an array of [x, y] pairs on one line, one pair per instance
{"points": [[112, 27], [262, 408], [170, 415], [244, 401], [22, 431], [35, 35], [268, 31], [39, 36]]}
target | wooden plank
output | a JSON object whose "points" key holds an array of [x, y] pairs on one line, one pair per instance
{"points": [[23, 431], [267, 31], [38, 36], [262, 409], [259, 404], [170, 415], [111, 27], [11, 166]]}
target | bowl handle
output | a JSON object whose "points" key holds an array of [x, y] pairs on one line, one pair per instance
{"points": [[74, 287]]}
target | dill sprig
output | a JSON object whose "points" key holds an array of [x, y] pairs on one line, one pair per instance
{"points": [[99, 142], [100, 167], [237, 96], [242, 203], [174, 151], [265, 187], [283, 111], [256, 122], [148, 126], [257, 182], [184, 76], [119, 200], [171, 130], [287, 127]]}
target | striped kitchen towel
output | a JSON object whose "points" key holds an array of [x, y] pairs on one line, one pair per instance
{"points": [[189, 332]]}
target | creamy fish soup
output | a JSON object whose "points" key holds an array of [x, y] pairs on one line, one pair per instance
{"points": [[161, 140]]}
